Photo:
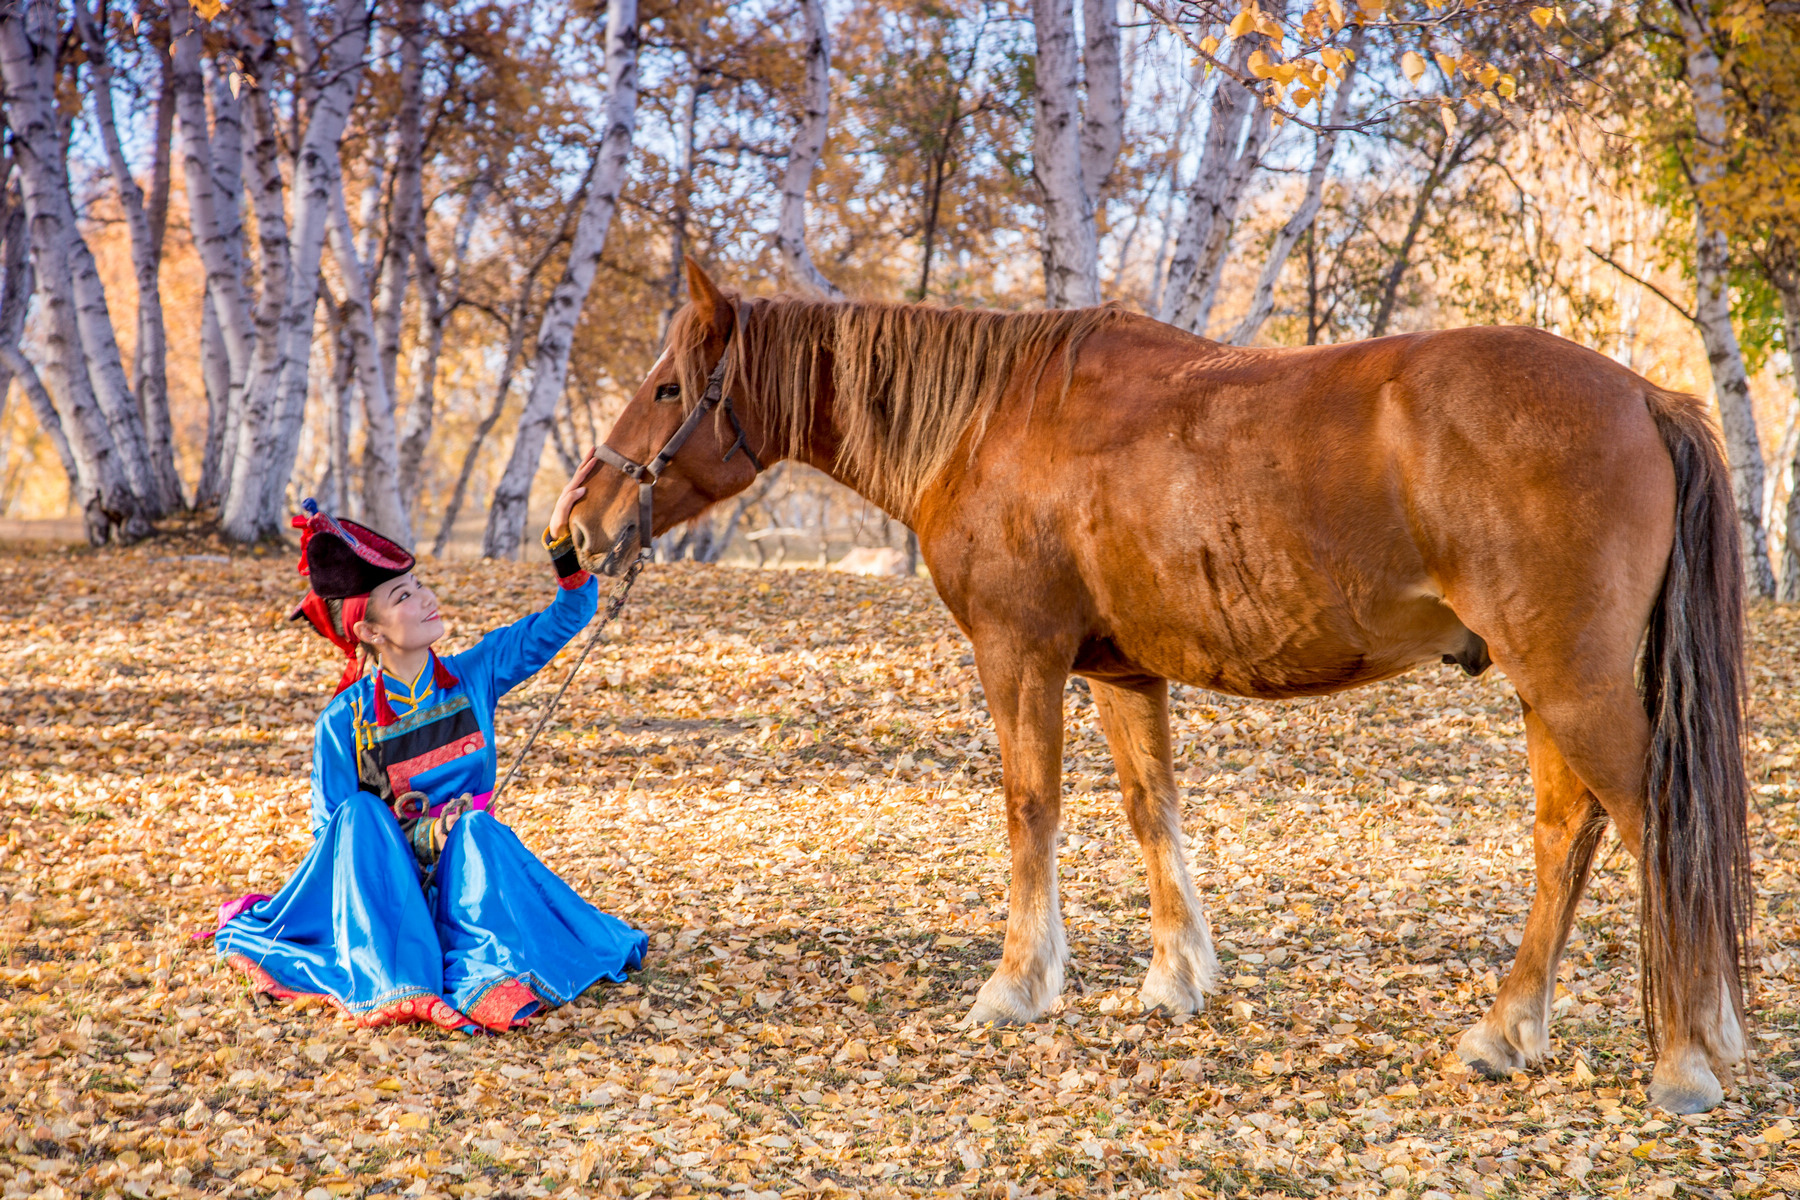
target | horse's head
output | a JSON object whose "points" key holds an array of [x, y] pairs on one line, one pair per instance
{"points": [[688, 471]]}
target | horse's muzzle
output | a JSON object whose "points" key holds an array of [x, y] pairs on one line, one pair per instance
{"points": [[614, 562]]}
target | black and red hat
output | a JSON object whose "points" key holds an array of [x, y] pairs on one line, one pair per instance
{"points": [[344, 561]]}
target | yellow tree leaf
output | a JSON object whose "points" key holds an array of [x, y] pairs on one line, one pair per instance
{"points": [[1447, 113], [1543, 16], [1507, 87], [208, 9], [1243, 23], [1412, 66], [1259, 66], [1446, 64]]}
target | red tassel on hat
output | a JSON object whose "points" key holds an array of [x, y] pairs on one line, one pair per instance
{"points": [[441, 677]]}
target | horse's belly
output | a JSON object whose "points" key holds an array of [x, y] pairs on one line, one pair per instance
{"points": [[1276, 643]]}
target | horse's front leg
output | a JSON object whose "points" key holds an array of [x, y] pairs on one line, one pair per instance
{"points": [[1024, 687]]}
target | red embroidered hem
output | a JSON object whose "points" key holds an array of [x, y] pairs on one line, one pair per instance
{"points": [[576, 580], [424, 1008], [499, 1007]]}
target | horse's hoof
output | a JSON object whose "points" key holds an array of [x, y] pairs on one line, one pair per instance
{"points": [[1004, 1000], [1181, 976], [1485, 1050], [1683, 1083]]}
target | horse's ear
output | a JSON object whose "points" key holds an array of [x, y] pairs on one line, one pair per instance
{"points": [[705, 296]]}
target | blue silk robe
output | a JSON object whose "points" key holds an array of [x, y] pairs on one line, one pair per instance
{"points": [[490, 935]]}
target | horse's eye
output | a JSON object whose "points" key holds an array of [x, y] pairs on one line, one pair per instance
{"points": [[668, 393]]}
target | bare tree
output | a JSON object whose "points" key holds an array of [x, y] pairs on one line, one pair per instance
{"points": [[269, 427], [550, 360], [803, 157], [15, 299], [439, 296], [217, 226], [1712, 300], [28, 40], [1233, 147], [381, 499], [1262, 301], [406, 237], [1066, 152], [145, 219]]}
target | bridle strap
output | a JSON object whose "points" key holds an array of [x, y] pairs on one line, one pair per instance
{"points": [[646, 474]]}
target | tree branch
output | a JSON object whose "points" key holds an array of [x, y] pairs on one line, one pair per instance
{"points": [[1645, 283]]}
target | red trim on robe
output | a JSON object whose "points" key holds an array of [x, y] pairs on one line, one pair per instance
{"points": [[573, 581], [424, 1008], [499, 1006]]}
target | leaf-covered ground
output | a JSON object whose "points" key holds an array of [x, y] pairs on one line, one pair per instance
{"points": [[789, 781]]}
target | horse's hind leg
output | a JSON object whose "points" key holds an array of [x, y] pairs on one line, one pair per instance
{"points": [[1183, 967], [1516, 1031], [1024, 687]]}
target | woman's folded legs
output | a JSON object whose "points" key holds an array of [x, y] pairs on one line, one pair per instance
{"points": [[514, 935]]}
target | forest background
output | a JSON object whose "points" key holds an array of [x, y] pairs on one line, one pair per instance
{"points": [[411, 257]]}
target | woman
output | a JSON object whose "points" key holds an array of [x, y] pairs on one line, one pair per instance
{"points": [[415, 904]]}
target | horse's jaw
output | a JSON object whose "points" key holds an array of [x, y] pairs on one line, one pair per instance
{"points": [[614, 562]]}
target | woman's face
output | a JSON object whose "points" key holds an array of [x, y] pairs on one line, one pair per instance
{"points": [[402, 617]]}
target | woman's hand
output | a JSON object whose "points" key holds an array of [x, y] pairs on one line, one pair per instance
{"points": [[565, 503]]}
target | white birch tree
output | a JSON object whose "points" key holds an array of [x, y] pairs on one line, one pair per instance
{"points": [[144, 220], [440, 292], [268, 435], [1235, 132], [1071, 247], [803, 157], [1712, 300], [550, 360], [29, 36], [15, 300], [381, 500]]}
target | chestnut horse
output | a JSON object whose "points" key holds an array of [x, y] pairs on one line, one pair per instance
{"points": [[1098, 493]]}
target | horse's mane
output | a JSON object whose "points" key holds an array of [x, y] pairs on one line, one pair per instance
{"points": [[908, 380]]}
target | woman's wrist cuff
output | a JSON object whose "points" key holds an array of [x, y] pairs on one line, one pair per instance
{"points": [[567, 562]]}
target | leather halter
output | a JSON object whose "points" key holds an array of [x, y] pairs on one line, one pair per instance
{"points": [[646, 474]]}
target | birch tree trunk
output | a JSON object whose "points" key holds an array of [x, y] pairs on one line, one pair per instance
{"points": [[217, 226], [28, 40], [381, 447], [406, 237], [261, 163], [1071, 248], [1712, 301], [1786, 277], [438, 299], [15, 301], [686, 131], [1262, 301], [803, 158], [151, 367], [215, 378], [1213, 194], [550, 360], [1103, 115], [269, 427]]}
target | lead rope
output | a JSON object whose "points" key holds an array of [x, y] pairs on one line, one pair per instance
{"points": [[613, 606]]}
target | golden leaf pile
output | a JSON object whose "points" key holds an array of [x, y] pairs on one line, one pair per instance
{"points": [[789, 781]]}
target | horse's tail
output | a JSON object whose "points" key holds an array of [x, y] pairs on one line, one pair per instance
{"points": [[1695, 869]]}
